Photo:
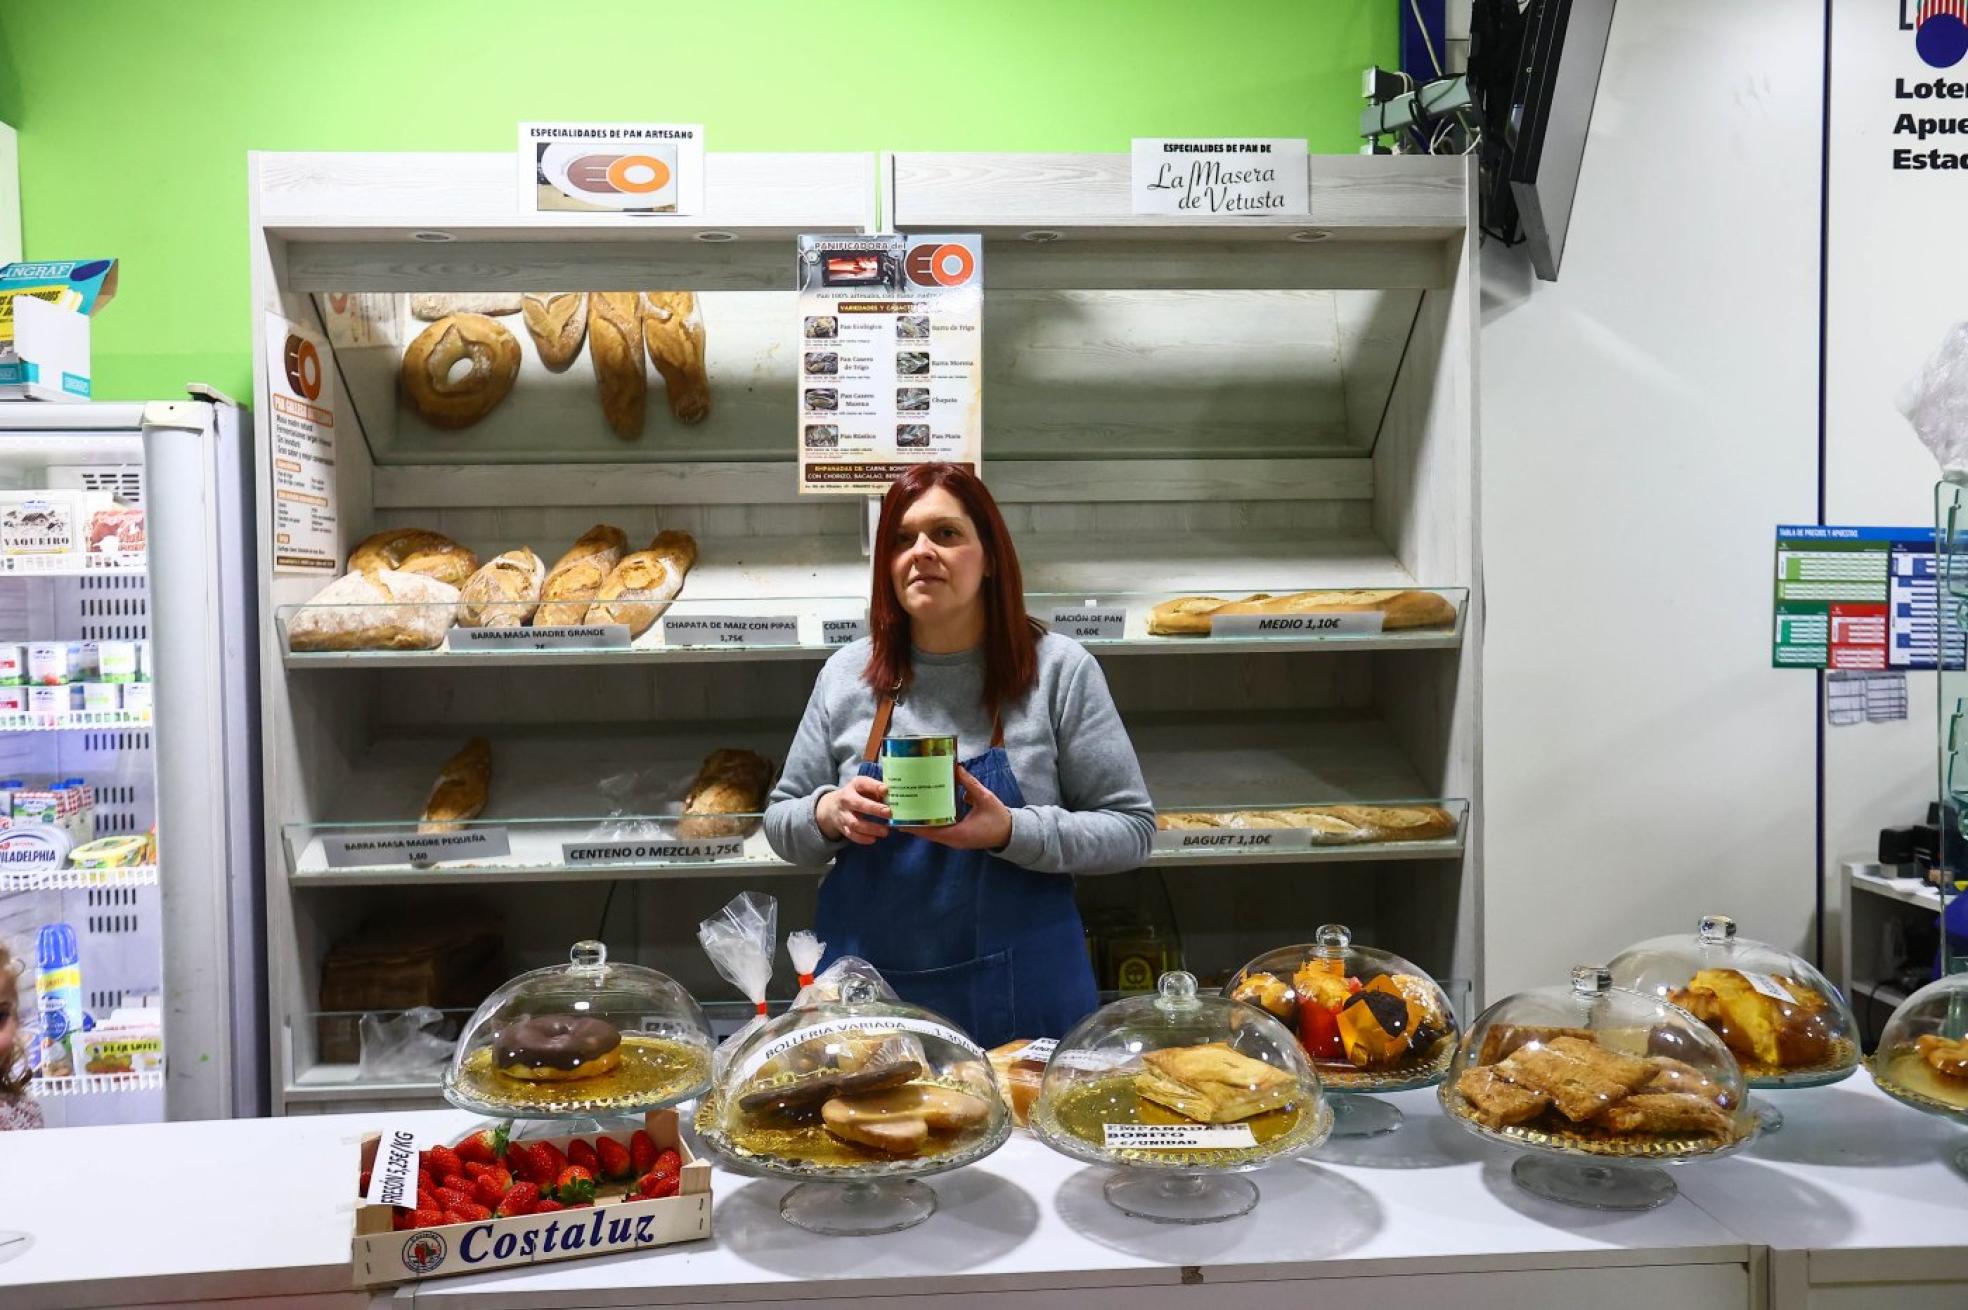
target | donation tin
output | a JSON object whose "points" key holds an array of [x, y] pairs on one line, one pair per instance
{"points": [[921, 773]]}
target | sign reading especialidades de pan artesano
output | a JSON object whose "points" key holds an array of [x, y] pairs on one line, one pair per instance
{"points": [[891, 356], [611, 168]]}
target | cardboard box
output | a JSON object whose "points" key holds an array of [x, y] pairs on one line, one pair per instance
{"points": [[44, 326], [383, 1257]]}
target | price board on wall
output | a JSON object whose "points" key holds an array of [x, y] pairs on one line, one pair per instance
{"points": [[1855, 598]]}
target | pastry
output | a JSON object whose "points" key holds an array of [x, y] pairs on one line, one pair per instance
{"points": [[1213, 1084], [1270, 993], [461, 788], [825, 1087], [1188, 615], [1018, 1079], [1322, 988], [1667, 1112], [556, 1048], [503, 593], [674, 332], [1760, 1027], [870, 1121], [1503, 1039], [1944, 1055], [1378, 1025], [1496, 1101], [728, 782], [558, 323], [615, 349], [441, 395], [1581, 1077], [576, 576], [431, 307], [641, 586], [413, 550], [382, 609]]}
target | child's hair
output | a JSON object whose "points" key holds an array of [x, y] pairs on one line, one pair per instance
{"points": [[13, 1064]]}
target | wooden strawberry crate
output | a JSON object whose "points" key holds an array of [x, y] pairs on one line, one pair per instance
{"points": [[618, 1222]]}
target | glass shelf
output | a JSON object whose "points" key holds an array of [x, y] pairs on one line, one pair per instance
{"points": [[758, 627], [1288, 834]]}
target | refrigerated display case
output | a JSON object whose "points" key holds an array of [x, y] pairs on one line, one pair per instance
{"points": [[128, 786]]}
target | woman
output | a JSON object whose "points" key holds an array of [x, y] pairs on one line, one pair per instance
{"points": [[975, 921]]}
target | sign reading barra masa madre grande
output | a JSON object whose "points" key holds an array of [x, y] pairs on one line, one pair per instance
{"points": [[1226, 177]]}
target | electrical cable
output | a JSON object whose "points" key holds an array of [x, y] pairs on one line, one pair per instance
{"points": [[1427, 41]]}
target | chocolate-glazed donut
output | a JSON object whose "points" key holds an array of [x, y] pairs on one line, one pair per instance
{"points": [[556, 1048]]}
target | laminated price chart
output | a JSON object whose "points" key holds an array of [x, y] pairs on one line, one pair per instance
{"points": [[1855, 598]]}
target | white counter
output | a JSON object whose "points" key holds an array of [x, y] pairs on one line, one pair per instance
{"points": [[1852, 1177]]}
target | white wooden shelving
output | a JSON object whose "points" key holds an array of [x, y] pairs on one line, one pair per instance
{"points": [[1173, 407]]}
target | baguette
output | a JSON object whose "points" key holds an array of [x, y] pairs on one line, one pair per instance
{"points": [[1331, 825], [461, 788], [432, 306], [558, 323], [674, 332], [576, 576], [728, 782], [640, 588], [615, 347], [1191, 615], [504, 593]]}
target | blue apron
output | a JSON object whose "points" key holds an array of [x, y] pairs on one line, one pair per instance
{"points": [[995, 948]]}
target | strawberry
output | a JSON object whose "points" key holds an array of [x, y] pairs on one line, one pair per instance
{"points": [[469, 1212], [362, 1184], [520, 1200], [486, 1146], [554, 1158], [487, 1192], [400, 1220], [582, 1156], [547, 1206], [642, 1152], [424, 1216], [458, 1182], [657, 1183], [669, 1160], [574, 1186], [614, 1158], [528, 1162], [442, 1162], [450, 1198]]}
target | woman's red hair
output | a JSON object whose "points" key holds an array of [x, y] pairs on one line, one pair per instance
{"points": [[1011, 637]]}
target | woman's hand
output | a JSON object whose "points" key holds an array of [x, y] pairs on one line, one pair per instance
{"points": [[850, 813], [986, 828]]}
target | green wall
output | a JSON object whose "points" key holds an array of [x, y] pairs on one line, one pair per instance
{"points": [[135, 116]]}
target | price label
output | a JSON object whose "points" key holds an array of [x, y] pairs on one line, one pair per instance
{"points": [[731, 630], [415, 847], [1769, 986], [1235, 839], [1039, 1051], [393, 1175], [1296, 625], [1088, 622], [656, 850], [1179, 1137], [601, 636], [839, 632]]}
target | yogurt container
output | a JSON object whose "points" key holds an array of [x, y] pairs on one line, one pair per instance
{"points": [[13, 663], [138, 697], [102, 697], [51, 700], [116, 661], [51, 663]]}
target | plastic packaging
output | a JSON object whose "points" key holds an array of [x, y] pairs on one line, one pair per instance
{"points": [[741, 939], [408, 1046], [1936, 403], [806, 951], [832, 983], [58, 995]]}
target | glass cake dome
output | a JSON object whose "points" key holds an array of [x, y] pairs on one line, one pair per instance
{"points": [[1182, 1091], [1367, 1019], [1597, 1084], [585, 1039], [1785, 1022], [1922, 1057], [856, 1099]]}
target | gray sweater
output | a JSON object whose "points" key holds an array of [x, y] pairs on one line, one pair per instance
{"points": [[1086, 807]]}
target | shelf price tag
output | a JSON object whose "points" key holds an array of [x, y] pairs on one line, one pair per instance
{"points": [[417, 848], [732, 630], [1088, 622], [839, 632], [393, 1176], [1240, 840], [1296, 625], [653, 850], [600, 636], [1179, 1137]]}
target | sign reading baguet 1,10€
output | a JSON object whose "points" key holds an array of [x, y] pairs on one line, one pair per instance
{"points": [[1855, 598]]}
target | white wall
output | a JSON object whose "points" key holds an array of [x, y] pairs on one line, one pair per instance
{"points": [[1646, 421], [10, 210]]}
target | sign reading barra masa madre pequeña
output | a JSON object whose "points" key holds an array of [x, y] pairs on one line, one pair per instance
{"points": [[1220, 177]]}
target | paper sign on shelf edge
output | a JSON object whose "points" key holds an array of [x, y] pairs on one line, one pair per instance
{"points": [[677, 146], [1183, 177]]}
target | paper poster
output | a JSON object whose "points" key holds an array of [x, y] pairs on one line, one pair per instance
{"points": [[357, 320], [301, 405], [611, 168], [891, 339], [1195, 177], [1855, 598]]}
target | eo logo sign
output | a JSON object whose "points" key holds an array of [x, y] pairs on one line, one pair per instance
{"points": [[947, 265], [1940, 30], [621, 175], [423, 1253], [303, 364]]}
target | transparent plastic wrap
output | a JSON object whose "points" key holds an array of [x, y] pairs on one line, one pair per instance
{"points": [[631, 797], [741, 939], [1936, 403], [805, 951], [408, 1046]]}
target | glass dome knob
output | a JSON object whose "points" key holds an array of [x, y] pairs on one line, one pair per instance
{"points": [[1591, 979], [1333, 939], [588, 955], [1178, 991], [857, 991], [1717, 928]]}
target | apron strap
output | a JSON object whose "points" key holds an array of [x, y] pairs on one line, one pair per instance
{"points": [[886, 710]]}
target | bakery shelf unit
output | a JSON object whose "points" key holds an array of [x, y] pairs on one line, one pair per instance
{"points": [[1172, 407]]}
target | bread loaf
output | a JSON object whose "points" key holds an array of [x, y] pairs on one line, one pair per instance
{"points": [[577, 576], [1331, 825], [413, 550], [674, 333], [380, 609], [728, 782], [615, 348], [450, 400], [1189, 615], [558, 323], [504, 593], [640, 588], [461, 788], [431, 307]]}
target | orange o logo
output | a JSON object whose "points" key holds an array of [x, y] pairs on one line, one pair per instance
{"points": [[948, 265], [638, 175], [303, 364]]}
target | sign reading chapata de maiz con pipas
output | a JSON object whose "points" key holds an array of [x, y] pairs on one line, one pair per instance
{"points": [[1219, 177]]}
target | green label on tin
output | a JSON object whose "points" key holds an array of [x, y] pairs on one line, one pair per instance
{"points": [[921, 789]]}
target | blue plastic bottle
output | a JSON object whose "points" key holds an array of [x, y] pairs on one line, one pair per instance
{"points": [[58, 992]]}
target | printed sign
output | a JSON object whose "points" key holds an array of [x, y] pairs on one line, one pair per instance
{"points": [[884, 1026], [611, 168], [1243, 840], [1198, 177], [602, 636], [415, 847], [301, 397], [393, 1178], [1179, 1137], [731, 630], [1856, 598], [1296, 625], [1769, 986], [654, 850], [839, 632], [891, 357], [1039, 1050], [1088, 622]]}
